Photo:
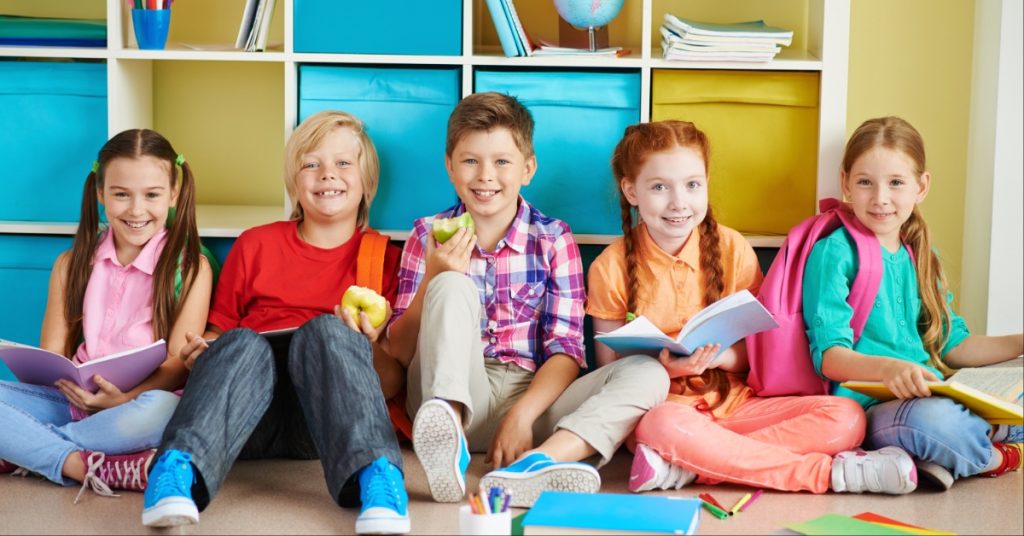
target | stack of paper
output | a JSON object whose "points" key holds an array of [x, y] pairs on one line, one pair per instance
{"points": [[514, 41], [701, 41], [863, 523], [252, 33]]}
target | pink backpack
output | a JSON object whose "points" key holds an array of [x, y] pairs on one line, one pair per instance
{"points": [[780, 360]]}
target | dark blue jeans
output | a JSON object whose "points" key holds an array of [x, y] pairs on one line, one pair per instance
{"points": [[318, 396]]}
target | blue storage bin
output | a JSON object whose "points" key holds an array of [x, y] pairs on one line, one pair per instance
{"points": [[395, 27], [579, 117], [406, 114], [25, 263], [53, 121]]}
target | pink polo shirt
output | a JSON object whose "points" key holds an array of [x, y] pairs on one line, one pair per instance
{"points": [[117, 312]]}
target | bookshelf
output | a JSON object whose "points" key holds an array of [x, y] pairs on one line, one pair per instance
{"points": [[230, 112]]}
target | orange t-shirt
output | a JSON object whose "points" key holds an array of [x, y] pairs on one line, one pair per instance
{"points": [[671, 291]]}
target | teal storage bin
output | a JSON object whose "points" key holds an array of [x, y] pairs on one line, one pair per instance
{"points": [[412, 27], [53, 121], [406, 114], [580, 117], [25, 263]]}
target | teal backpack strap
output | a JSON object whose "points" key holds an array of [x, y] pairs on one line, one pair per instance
{"points": [[214, 265]]}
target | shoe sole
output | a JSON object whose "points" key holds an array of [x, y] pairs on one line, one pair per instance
{"points": [[934, 474], [526, 488], [383, 526], [171, 513], [435, 439]]}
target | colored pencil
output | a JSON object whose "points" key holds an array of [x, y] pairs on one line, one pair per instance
{"points": [[707, 497], [739, 504], [751, 501], [715, 511]]}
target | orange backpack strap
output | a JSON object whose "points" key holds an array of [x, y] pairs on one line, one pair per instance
{"points": [[370, 261], [370, 274]]}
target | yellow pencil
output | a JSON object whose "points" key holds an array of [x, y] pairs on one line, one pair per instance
{"points": [[739, 504]]}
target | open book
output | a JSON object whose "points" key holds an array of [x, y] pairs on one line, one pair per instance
{"points": [[724, 322], [43, 367], [995, 393]]}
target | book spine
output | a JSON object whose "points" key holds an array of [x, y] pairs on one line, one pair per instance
{"points": [[501, 24]]}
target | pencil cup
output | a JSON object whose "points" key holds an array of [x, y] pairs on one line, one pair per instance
{"points": [[499, 524], [151, 27]]}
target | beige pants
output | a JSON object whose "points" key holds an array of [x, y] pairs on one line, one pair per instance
{"points": [[602, 407]]}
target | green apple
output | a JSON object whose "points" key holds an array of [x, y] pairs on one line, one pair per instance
{"points": [[445, 228], [358, 299]]}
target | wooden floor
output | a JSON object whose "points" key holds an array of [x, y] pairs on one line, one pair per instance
{"points": [[289, 497]]}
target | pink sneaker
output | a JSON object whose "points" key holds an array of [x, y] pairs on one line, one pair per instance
{"points": [[651, 471], [6, 467], [104, 473]]}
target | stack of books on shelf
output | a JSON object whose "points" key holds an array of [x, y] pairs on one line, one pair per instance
{"points": [[514, 41], [752, 41], [252, 33], [52, 32]]}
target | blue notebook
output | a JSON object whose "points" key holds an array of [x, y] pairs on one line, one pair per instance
{"points": [[558, 512]]}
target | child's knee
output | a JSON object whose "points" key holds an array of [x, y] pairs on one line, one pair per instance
{"points": [[849, 421], [645, 377], [448, 285], [665, 419]]}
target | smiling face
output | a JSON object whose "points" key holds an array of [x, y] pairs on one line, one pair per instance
{"points": [[329, 184], [670, 191], [136, 194], [488, 169], [883, 186]]}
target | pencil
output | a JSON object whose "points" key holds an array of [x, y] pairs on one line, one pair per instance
{"points": [[715, 511], [739, 504], [707, 497], [752, 499]]}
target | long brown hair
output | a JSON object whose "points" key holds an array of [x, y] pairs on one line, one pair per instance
{"points": [[896, 134], [637, 145], [180, 250]]}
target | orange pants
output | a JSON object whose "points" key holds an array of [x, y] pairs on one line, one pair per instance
{"points": [[783, 443]]}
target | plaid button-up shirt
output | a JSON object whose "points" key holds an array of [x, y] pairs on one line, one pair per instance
{"points": [[531, 287]]}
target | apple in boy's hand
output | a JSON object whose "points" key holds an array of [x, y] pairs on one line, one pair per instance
{"points": [[358, 299], [445, 228]]}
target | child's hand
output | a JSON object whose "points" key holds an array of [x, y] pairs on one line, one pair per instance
{"points": [[905, 379], [693, 365], [452, 256], [107, 396], [194, 345], [364, 326], [513, 437]]}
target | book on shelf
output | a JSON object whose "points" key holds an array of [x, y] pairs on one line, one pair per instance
{"points": [[557, 512], [752, 41], [52, 32], [723, 322], [551, 50], [42, 367], [995, 393], [255, 25], [511, 33]]}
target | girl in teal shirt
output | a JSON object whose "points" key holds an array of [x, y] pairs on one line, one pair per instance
{"points": [[912, 335]]}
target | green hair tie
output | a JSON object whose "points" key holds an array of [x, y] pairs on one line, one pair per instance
{"points": [[95, 166], [180, 161]]}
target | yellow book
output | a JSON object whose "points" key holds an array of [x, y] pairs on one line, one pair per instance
{"points": [[994, 393]]}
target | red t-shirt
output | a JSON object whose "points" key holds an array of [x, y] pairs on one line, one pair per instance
{"points": [[274, 280]]}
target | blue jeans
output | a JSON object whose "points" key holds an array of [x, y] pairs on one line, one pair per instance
{"points": [[37, 433], [315, 397], [935, 429]]}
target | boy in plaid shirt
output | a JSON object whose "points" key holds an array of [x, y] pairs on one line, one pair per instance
{"points": [[490, 327]]}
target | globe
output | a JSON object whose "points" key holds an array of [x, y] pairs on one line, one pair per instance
{"points": [[586, 14]]}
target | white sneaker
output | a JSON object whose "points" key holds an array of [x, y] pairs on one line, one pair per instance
{"points": [[651, 471], [886, 470]]}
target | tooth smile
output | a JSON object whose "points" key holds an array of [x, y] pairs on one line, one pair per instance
{"points": [[136, 225], [329, 193]]}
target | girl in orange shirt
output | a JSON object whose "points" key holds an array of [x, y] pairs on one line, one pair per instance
{"points": [[673, 260]]}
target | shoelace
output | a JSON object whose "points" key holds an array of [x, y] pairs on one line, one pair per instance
{"points": [[92, 465], [170, 482], [381, 489]]}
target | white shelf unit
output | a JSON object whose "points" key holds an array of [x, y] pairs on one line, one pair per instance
{"points": [[131, 90]]}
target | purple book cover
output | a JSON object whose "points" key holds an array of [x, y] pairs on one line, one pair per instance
{"points": [[42, 367]]}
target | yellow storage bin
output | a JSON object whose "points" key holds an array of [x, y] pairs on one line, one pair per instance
{"points": [[763, 128]]}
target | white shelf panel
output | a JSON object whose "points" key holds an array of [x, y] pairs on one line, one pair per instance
{"points": [[219, 221], [180, 52], [382, 59], [786, 60], [54, 52], [38, 227]]}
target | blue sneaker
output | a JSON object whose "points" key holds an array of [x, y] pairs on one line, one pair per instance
{"points": [[441, 448], [537, 472], [168, 498], [385, 503]]}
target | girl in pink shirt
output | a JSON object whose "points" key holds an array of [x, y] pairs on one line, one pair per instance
{"points": [[127, 284]]}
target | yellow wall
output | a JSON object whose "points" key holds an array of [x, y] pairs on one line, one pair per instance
{"points": [[912, 58]]}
